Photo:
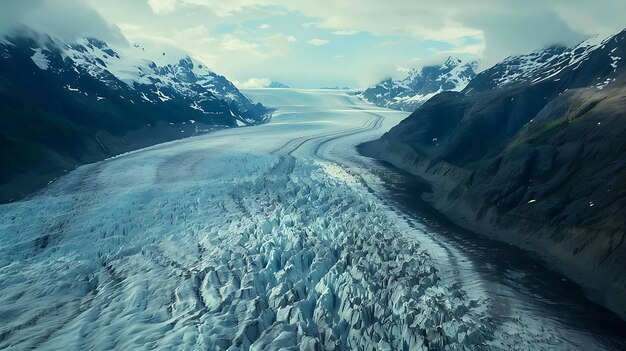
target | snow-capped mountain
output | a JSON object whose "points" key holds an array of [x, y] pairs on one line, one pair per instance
{"points": [[420, 85], [594, 60], [63, 104], [186, 79]]}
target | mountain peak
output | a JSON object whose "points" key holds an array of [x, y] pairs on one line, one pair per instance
{"points": [[419, 85], [186, 62], [452, 61]]}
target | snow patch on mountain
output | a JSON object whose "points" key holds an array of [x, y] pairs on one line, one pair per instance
{"points": [[40, 59]]}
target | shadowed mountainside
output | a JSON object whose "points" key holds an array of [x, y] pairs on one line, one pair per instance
{"points": [[538, 161]]}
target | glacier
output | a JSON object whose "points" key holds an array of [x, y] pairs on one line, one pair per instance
{"points": [[272, 237]]}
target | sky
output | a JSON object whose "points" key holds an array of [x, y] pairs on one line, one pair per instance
{"points": [[318, 43]]}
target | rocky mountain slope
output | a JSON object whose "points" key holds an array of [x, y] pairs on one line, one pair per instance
{"points": [[64, 104], [533, 152], [420, 85]]}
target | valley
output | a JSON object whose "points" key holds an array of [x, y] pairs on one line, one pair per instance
{"points": [[264, 237]]}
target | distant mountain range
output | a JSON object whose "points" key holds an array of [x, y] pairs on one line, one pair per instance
{"points": [[336, 87], [277, 85], [420, 85], [533, 152], [63, 104]]}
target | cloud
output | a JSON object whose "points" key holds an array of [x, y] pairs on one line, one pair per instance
{"points": [[162, 6], [345, 32], [231, 7], [520, 31], [232, 43], [66, 19], [278, 45], [219, 33], [318, 42], [13, 12], [253, 83], [264, 26], [476, 50], [506, 26], [403, 69]]}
